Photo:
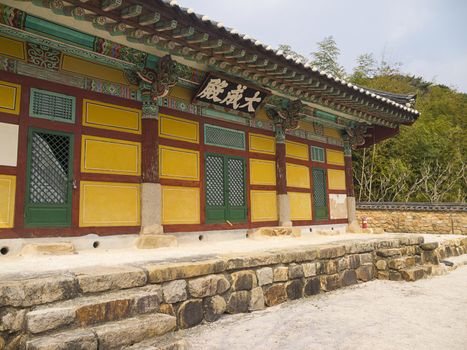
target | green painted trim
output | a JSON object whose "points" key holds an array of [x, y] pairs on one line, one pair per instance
{"points": [[226, 129], [67, 206], [56, 31], [317, 154], [32, 114], [325, 115], [224, 116], [65, 48], [226, 210], [321, 212]]}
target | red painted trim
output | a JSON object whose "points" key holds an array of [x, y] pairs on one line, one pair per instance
{"points": [[172, 182], [9, 118], [263, 156], [330, 222], [150, 151], [111, 134], [178, 144], [298, 189], [263, 187], [78, 131], [297, 161], [8, 170], [337, 191], [302, 222], [108, 178], [67, 232]]}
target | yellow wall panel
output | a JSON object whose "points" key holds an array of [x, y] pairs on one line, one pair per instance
{"points": [[335, 157], [336, 179], [108, 116], [93, 70], [333, 133], [12, 48], [109, 204], [181, 93], [298, 175], [261, 114], [263, 205], [296, 150], [180, 205], [10, 95], [110, 156], [306, 126], [7, 200], [262, 172], [300, 205], [178, 129], [262, 144], [178, 163]]}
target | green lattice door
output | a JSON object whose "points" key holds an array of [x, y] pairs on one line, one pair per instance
{"points": [[225, 189], [319, 194], [49, 179]]}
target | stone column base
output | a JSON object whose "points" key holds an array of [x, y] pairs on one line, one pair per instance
{"points": [[151, 209], [149, 241], [351, 209], [283, 210]]}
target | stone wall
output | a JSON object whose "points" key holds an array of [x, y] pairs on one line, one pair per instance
{"points": [[110, 305], [413, 218]]}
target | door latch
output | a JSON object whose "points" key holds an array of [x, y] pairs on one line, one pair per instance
{"points": [[74, 184]]}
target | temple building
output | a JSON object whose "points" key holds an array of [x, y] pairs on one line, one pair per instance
{"points": [[127, 116]]}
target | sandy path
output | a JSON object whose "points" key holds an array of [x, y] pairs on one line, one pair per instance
{"points": [[428, 314]]}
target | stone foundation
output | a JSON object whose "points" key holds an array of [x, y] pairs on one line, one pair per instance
{"points": [[113, 304]]}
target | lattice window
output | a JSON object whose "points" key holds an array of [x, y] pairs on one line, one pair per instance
{"points": [[236, 182], [319, 188], [223, 137], [50, 156], [51, 105], [214, 181], [317, 154]]}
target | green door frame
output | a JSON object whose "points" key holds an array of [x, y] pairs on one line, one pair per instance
{"points": [[321, 212], [221, 214], [48, 215]]}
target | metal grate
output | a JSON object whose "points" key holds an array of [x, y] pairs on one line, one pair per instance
{"points": [[50, 105], [319, 188], [317, 154], [214, 181], [223, 137], [50, 155], [236, 182]]}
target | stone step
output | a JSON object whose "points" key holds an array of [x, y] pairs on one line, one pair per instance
{"points": [[90, 310], [112, 335], [414, 273]]}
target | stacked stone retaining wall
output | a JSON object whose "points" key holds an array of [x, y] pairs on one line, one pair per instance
{"points": [[415, 217], [77, 305]]}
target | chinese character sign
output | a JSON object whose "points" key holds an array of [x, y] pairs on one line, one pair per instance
{"points": [[230, 94]]}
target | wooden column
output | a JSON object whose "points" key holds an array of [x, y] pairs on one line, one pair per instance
{"points": [[351, 206], [283, 202], [151, 192]]}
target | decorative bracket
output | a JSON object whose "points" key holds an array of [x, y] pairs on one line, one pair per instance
{"points": [[285, 115], [155, 83], [356, 135]]}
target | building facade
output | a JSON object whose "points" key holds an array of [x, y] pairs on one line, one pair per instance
{"points": [[120, 117]]}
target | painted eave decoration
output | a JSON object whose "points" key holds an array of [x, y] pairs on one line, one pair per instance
{"points": [[181, 32], [231, 94]]}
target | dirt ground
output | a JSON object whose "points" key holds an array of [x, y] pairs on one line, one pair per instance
{"points": [[427, 314]]}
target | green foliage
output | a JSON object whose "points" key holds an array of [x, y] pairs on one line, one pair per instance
{"points": [[425, 161], [326, 57]]}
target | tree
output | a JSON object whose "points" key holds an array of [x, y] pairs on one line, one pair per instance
{"points": [[326, 57], [366, 66], [287, 50]]}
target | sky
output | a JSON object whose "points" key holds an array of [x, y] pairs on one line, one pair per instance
{"points": [[429, 37]]}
